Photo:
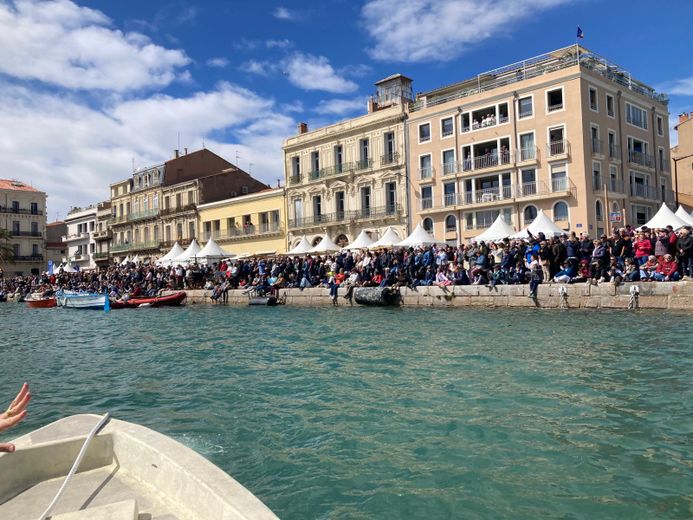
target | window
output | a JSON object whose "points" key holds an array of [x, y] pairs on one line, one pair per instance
{"points": [[598, 211], [338, 158], [389, 148], [317, 207], [557, 144], [425, 170], [594, 104], [296, 167], [191, 229], [613, 147], [596, 175], [298, 209], [244, 190], [560, 211], [34, 228], [613, 179], [449, 194], [554, 100], [15, 227], [391, 197], [428, 224], [364, 156], [315, 162], [636, 116], [450, 224], [527, 148], [446, 127], [610, 105], [34, 208], [426, 197], [559, 177], [660, 125], [366, 201], [35, 249], [524, 107], [15, 206], [529, 214], [661, 157], [424, 132], [448, 162], [339, 204]]}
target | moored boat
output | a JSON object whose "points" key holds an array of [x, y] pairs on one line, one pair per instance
{"points": [[41, 303], [72, 300], [169, 300], [128, 471]]}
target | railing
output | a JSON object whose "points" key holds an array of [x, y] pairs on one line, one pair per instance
{"points": [[117, 220], [560, 184], [447, 133], [597, 146], [616, 186], [245, 232], [99, 256], [449, 168], [176, 209], [643, 159], [557, 106], [373, 212], [527, 154], [493, 121], [450, 199], [597, 184], [389, 159], [117, 248], [426, 203], [490, 160], [644, 192], [664, 166], [557, 148], [26, 234], [168, 244], [19, 211], [614, 151], [487, 195], [363, 164], [426, 173], [28, 258], [295, 179], [101, 235]]}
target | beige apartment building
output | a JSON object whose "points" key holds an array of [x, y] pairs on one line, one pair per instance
{"points": [[568, 132], [350, 176], [682, 161], [102, 234], [23, 215]]}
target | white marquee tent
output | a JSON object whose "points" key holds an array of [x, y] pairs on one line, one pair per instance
{"points": [[389, 239], [419, 237], [663, 218], [541, 224], [212, 253], [684, 215], [126, 261], [499, 230], [363, 241], [301, 248], [189, 255], [175, 252], [326, 245]]}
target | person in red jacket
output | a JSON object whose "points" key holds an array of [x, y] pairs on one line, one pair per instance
{"points": [[667, 269], [642, 248]]}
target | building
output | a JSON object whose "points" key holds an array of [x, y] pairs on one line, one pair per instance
{"points": [[79, 239], [56, 249], [568, 132], [350, 176], [158, 205], [248, 224], [23, 215], [682, 161], [102, 234]]}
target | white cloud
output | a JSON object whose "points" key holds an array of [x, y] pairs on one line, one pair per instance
{"points": [[278, 44], [63, 44], [341, 107], [259, 68], [678, 87], [441, 30], [218, 63], [315, 73], [282, 13]]}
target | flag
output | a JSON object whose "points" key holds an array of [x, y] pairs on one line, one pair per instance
{"points": [[580, 34]]}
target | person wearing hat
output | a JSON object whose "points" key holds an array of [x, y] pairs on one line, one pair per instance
{"points": [[667, 269]]}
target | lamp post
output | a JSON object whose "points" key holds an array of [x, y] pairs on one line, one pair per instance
{"points": [[676, 175]]}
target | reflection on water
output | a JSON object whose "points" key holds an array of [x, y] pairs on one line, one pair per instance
{"points": [[388, 413]]}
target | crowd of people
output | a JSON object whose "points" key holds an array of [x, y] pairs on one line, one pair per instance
{"points": [[627, 255]]}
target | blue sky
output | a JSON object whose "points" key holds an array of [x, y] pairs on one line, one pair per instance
{"points": [[89, 88]]}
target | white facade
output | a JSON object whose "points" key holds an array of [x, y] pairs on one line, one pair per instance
{"points": [[81, 246]]}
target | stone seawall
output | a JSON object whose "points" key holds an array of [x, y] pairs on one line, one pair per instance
{"points": [[659, 295]]}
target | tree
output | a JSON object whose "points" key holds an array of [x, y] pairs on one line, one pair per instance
{"points": [[6, 250]]}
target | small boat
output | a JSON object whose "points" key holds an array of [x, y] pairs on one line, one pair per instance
{"points": [[71, 300], [41, 303], [127, 472], [170, 300]]}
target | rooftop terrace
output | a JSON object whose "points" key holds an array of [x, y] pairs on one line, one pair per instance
{"points": [[533, 67]]}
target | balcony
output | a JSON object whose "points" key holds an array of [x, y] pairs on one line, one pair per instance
{"points": [[527, 154], [102, 235], [426, 203], [35, 234], [100, 256], [248, 231], [426, 173], [448, 168], [597, 147], [295, 179], [558, 148], [171, 211], [75, 236], [28, 258], [145, 246], [641, 159], [118, 248], [486, 161], [644, 192], [168, 244], [363, 164], [614, 152], [488, 123], [616, 186], [556, 188], [19, 211], [114, 221], [371, 213]]}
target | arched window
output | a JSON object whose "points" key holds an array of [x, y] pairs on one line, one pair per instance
{"points": [[560, 211], [342, 240], [316, 241], [530, 213], [598, 210], [450, 224], [615, 208], [428, 224]]}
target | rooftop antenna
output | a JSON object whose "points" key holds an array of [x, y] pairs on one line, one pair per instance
{"points": [[237, 156], [133, 164], [179, 140], [250, 167], [203, 142]]}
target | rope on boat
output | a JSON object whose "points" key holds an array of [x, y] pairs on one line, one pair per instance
{"points": [[76, 464], [634, 302], [563, 293]]}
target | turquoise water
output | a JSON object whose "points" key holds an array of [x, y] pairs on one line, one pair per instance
{"points": [[388, 413]]}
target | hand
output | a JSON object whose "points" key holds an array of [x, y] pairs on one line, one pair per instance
{"points": [[14, 414]]}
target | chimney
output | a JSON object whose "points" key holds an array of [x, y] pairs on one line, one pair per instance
{"points": [[372, 106], [302, 128], [176, 153], [683, 117], [186, 150]]}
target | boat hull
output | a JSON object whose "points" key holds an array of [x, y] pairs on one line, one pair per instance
{"points": [[82, 301], [44, 303], [170, 300]]}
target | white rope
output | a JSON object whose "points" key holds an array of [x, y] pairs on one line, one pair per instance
{"points": [[76, 464], [634, 301]]}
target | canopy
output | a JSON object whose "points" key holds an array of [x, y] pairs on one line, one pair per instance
{"points": [[541, 224], [663, 218], [136, 259], [363, 241], [212, 253], [301, 248], [189, 255], [499, 230], [126, 261], [684, 215], [67, 268], [389, 239], [175, 251], [419, 237], [325, 246]]}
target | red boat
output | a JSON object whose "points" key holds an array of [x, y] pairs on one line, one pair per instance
{"points": [[170, 300], [43, 303]]}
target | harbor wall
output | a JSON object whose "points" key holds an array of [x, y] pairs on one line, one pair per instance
{"points": [[659, 295]]}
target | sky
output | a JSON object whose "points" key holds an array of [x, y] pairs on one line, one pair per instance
{"points": [[92, 88]]}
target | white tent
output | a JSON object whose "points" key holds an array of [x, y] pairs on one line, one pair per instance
{"points": [[212, 253], [389, 239], [126, 261], [363, 241], [541, 224], [175, 251], [189, 255], [419, 237], [499, 230], [136, 259], [67, 268], [326, 245], [684, 215], [301, 248], [663, 218]]}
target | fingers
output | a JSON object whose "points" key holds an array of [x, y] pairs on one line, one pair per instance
{"points": [[22, 392], [6, 447], [19, 406], [9, 422]]}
